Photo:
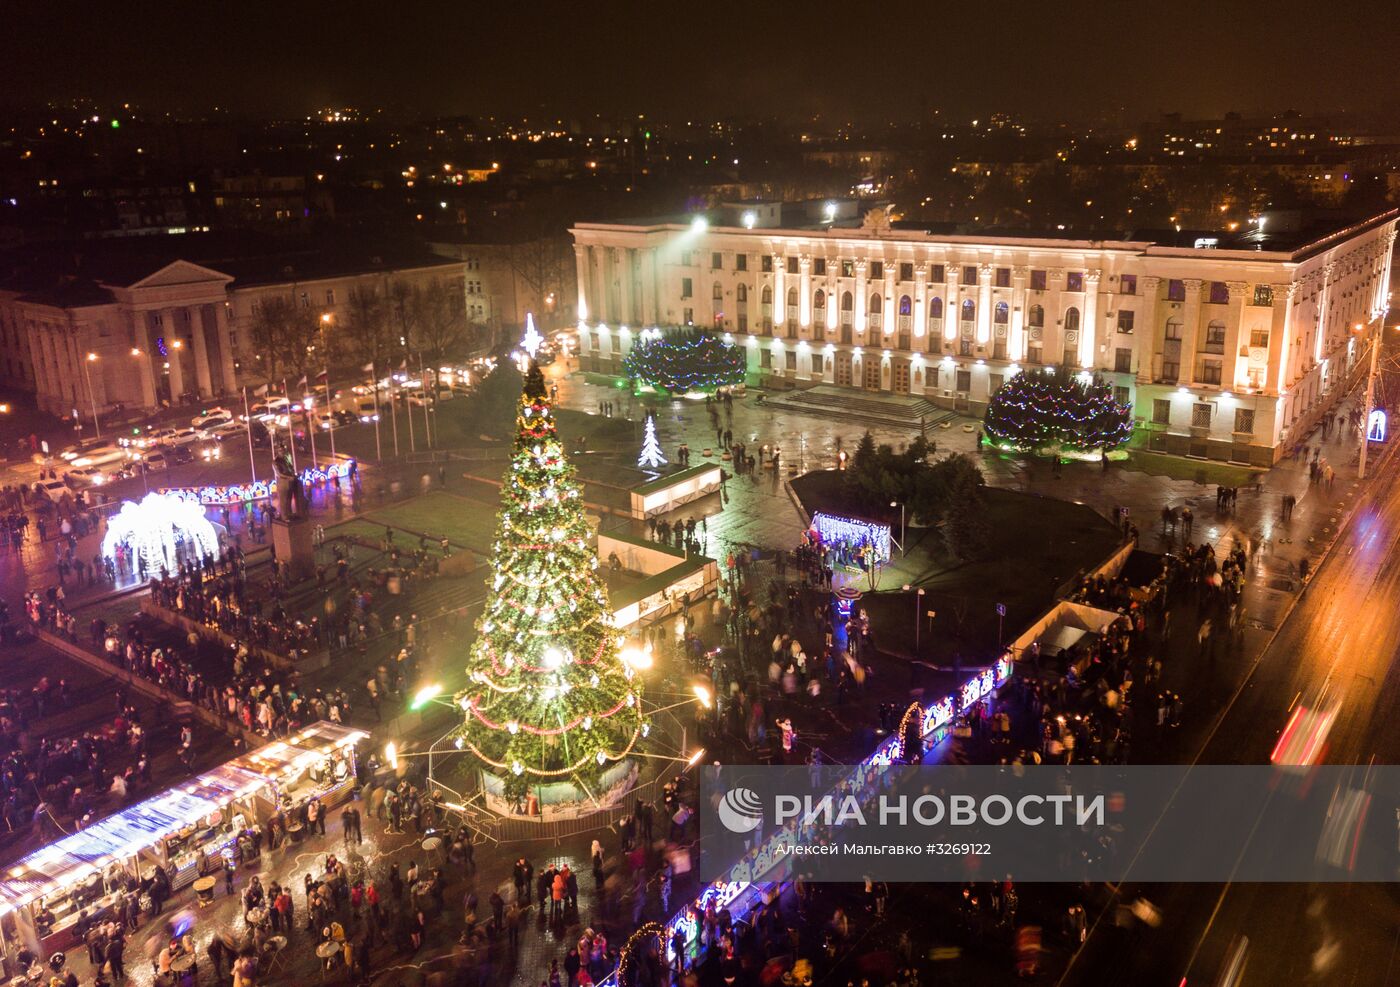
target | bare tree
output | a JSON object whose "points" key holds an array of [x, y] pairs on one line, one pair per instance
{"points": [[284, 335], [366, 327]]}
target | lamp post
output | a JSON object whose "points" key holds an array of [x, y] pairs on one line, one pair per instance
{"points": [[918, 613], [895, 503], [92, 399]]}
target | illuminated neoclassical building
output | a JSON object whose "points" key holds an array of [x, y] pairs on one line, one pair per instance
{"points": [[1226, 344]]}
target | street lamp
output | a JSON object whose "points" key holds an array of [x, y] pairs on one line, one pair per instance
{"points": [[918, 613], [92, 400], [895, 503]]}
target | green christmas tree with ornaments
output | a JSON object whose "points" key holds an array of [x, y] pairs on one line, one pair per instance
{"points": [[549, 698], [1046, 408]]}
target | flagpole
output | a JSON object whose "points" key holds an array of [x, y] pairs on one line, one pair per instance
{"points": [[330, 410], [423, 375], [291, 436], [394, 410], [374, 390], [252, 462], [311, 423], [412, 444]]}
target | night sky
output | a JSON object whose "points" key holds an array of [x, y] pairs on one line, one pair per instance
{"points": [[1048, 60]]}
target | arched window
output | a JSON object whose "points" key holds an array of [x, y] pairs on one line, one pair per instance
{"points": [[969, 310], [820, 300], [1000, 314], [1036, 317], [792, 298], [905, 305], [717, 294], [741, 293], [874, 304], [935, 310], [767, 298], [1071, 319], [848, 303]]}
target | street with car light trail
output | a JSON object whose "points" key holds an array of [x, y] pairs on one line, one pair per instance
{"points": [[1339, 645]]}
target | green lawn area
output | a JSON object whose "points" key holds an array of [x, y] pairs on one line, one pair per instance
{"points": [[463, 521], [1200, 471]]}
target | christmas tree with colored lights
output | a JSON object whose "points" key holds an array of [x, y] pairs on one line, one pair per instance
{"points": [[651, 457], [1048, 409], [681, 360], [549, 698]]}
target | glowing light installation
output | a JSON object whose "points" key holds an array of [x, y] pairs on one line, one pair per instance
{"points": [[833, 528], [159, 529], [651, 457], [239, 493]]}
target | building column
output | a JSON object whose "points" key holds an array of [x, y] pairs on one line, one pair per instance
{"points": [[833, 299], [1145, 342], [1190, 318], [1382, 301], [174, 350], [581, 275], [984, 303], [1089, 329], [195, 316], [651, 308], [779, 293], [627, 284], [228, 369], [1277, 374], [860, 306], [141, 357], [889, 310], [920, 312], [1323, 298], [1234, 371], [952, 316], [804, 294], [1016, 341]]}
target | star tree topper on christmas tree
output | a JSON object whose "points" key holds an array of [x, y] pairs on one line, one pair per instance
{"points": [[550, 697]]}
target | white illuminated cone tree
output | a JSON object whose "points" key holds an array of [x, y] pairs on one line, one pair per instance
{"points": [[651, 457]]}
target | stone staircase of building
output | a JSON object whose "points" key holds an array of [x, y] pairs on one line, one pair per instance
{"points": [[866, 407]]}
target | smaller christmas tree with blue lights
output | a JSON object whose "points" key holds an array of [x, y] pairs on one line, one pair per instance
{"points": [[1045, 408]]}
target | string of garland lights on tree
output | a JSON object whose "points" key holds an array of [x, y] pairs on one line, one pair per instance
{"points": [[550, 697], [683, 360], [1042, 408]]}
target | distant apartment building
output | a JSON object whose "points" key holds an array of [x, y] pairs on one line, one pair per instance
{"points": [[507, 278], [142, 323], [1226, 346]]}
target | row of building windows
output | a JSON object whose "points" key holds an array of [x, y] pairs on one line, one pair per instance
{"points": [[1218, 292]]}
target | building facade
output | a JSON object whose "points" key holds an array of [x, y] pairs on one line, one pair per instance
{"points": [[169, 332], [1223, 353]]}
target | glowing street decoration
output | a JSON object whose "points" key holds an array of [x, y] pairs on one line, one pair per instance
{"points": [[240, 493], [158, 530], [532, 340], [1375, 426], [833, 529], [651, 457], [747, 873]]}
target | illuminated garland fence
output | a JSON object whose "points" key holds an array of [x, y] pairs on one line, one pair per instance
{"points": [[682, 360], [240, 493], [742, 887], [1046, 409]]}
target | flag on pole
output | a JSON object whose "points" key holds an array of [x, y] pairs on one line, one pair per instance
{"points": [[302, 383], [368, 368], [259, 392]]}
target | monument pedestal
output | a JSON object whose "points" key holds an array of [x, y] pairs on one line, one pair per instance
{"points": [[291, 542]]}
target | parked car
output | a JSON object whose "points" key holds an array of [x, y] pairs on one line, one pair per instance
{"points": [[183, 437], [367, 411], [211, 452], [220, 429], [178, 455], [156, 460], [55, 490], [211, 416]]}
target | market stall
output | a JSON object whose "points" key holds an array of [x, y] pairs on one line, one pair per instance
{"points": [[166, 842]]}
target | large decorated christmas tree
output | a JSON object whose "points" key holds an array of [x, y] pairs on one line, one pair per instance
{"points": [[1048, 409], [549, 699], [681, 360]]}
